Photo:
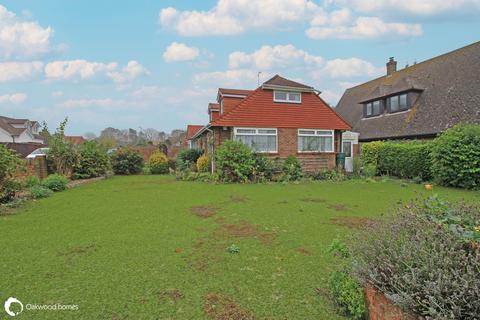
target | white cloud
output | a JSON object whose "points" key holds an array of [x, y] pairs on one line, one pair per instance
{"points": [[331, 97], [230, 17], [15, 98], [19, 38], [348, 68], [412, 7], [365, 28], [12, 71], [130, 72], [268, 57], [76, 69], [180, 52], [94, 103]]}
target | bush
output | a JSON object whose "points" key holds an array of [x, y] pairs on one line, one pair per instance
{"points": [[127, 161], [186, 158], [55, 182], [292, 169], [158, 163], [404, 159], [348, 295], [32, 181], [426, 259], [62, 155], [370, 152], [264, 168], [456, 157], [38, 192], [8, 190], [9, 164], [93, 161], [235, 161], [203, 164]]}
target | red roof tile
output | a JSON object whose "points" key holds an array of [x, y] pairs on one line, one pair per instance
{"points": [[259, 110], [75, 139], [192, 130], [237, 92]]}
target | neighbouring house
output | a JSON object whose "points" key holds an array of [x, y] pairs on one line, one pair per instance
{"points": [[192, 129], [75, 139], [419, 101], [19, 131], [278, 119]]}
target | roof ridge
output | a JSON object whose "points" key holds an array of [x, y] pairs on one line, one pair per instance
{"points": [[419, 63]]}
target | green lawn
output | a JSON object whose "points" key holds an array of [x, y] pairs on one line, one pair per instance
{"points": [[133, 247]]}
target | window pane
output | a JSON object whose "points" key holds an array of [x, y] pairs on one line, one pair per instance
{"points": [[260, 143], [376, 107], [403, 101], [246, 131], [306, 131], [267, 131], [294, 97], [308, 143], [369, 109], [324, 132], [326, 144], [279, 95], [347, 148], [393, 104]]}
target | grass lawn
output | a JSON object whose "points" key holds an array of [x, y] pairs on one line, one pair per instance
{"points": [[149, 247]]}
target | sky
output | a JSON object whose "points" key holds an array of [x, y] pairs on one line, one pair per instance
{"points": [[157, 64]]}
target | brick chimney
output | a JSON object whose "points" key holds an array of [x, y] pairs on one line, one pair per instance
{"points": [[391, 66]]}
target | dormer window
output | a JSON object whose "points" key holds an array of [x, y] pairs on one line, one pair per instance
{"points": [[373, 108], [285, 96], [398, 103]]}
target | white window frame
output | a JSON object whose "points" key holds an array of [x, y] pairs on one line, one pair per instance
{"points": [[287, 93], [318, 133], [235, 134]]}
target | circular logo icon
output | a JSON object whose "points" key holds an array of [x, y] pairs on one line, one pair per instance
{"points": [[8, 304]]}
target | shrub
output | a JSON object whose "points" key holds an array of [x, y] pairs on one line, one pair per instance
{"points": [[370, 152], [32, 181], [62, 155], [38, 192], [127, 161], [93, 161], [9, 164], [292, 169], [158, 163], [456, 157], [235, 161], [8, 190], [348, 294], [203, 164], [425, 258], [264, 168], [55, 182], [186, 158], [404, 159]]}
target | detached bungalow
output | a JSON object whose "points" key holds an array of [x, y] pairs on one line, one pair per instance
{"points": [[278, 119]]}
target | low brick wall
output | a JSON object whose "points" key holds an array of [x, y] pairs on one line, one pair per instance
{"points": [[33, 167], [380, 308]]}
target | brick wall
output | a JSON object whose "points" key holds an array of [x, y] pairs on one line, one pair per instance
{"points": [[33, 167], [288, 145]]}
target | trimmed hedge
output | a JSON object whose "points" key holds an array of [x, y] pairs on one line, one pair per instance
{"points": [[456, 157], [401, 159]]}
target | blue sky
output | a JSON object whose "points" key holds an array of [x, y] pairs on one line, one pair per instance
{"points": [[157, 64]]}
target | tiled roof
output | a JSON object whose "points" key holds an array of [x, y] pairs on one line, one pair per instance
{"points": [[236, 92], [282, 82], [259, 110], [192, 130], [6, 124], [213, 106], [450, 93], [75, 139]]}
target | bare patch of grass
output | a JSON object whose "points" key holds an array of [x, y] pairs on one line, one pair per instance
{"points": [[238, 199], [304, 251], [244, 229], [204, 211], [220, 307], [173, 295], [339, 207]]}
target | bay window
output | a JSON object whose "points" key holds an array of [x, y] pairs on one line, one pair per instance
{"points": [[312, 140], [259, 140]]}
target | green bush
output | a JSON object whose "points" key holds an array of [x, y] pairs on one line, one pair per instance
{"points": [[55, 182], [38, 192], [426, 258], [62, 155], [348, 295], [264, 168], [456, 157], [186, 158], [93, 161], [203, 164], [404, 159], [9, 164], [235, 161], [292, 169], [8, 190], [32, 181], [158, 163], [127, 161], [370, 152]]}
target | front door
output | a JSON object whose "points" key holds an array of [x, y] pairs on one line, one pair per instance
{"points": [[347, 149]]}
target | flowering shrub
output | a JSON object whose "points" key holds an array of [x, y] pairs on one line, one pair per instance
{"points": [[158, 163]]}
